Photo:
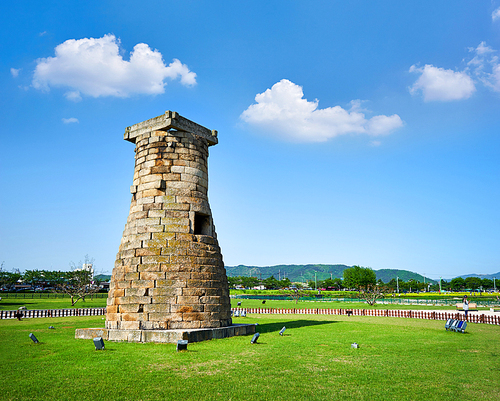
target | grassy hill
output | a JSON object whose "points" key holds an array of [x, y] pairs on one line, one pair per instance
{"points": [[387, 275], [481, 276], [307, 272]]}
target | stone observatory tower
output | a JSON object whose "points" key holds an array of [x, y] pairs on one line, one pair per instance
{"points": [[169, 272]]}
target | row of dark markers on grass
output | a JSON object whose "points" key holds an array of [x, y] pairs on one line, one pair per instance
{"points": [[412, 314]]}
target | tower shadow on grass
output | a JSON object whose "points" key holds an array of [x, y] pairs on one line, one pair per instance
{"points": [[293, 324]]}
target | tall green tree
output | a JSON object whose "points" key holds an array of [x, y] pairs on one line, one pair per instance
{"points": [[487, 283], [473, 283], [337, 283], [359, 277], [8, 279], [392, 284], [271, 283], [457, 284], [328, 283], [33, 277], [233, 281], [249, 282], [284, 283]]}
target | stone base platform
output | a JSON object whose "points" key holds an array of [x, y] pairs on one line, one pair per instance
{"points": [[166, 336]]}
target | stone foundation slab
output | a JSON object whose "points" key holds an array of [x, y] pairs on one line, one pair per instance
{"points": [[166, 336]]}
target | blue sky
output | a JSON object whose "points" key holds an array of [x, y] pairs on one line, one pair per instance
{"points": [[360, 132]]}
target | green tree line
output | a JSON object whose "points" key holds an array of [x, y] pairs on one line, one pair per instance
{"points": [[77, 283], [363, 278]]}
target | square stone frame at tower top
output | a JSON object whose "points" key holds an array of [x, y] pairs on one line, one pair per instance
{"points": [[169, 272]]}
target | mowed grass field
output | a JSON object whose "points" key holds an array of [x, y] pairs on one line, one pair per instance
{"points": [[49, 303], [290, 304], [398, 359], [63, 303]]}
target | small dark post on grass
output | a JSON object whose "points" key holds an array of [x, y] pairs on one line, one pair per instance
{"points": [[254, 338], [99, 343], [282, 330], [32, 336], [182, 345]]}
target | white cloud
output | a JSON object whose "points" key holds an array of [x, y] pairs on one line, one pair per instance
{"points": [[439, 84], [70, 120], [74, 96], [94, 67], [496, 14], [15, 72], [485, 66], [283, 111], [483, 49]]}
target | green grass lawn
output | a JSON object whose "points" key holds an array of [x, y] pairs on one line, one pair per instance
{"points": [[403, 359], [61, 303], [257, 303], [49, 303]]}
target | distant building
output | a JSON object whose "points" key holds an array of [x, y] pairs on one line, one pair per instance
{"points": [[88, 267]]}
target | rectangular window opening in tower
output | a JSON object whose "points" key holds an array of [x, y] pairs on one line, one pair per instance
{"points": [[202, 224]]}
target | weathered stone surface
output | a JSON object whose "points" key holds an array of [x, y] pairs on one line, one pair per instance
{"points": [[169, 271], [91, 333], [166, 336]]}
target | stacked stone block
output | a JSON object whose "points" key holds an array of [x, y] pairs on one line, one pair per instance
{"points": [[169, 272]]}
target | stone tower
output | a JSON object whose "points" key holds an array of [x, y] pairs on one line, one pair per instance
{"points": [[169, 272]]}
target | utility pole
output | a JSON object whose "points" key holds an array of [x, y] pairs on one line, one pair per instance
{"points": [[494, 285], [397, 283], [440, 284], [315, 282]]}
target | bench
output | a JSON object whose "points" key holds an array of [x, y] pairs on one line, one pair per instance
{"points": [[460, 327], [455, 325], [472, 306]]}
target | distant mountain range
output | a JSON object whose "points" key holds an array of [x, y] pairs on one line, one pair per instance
{"points": [[102, 277], [322, 272], [481, 276], [306, 273]]}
